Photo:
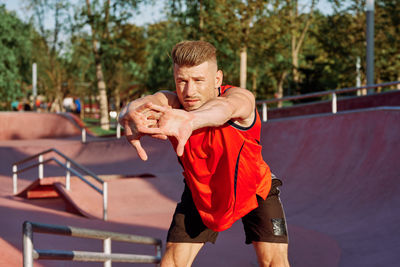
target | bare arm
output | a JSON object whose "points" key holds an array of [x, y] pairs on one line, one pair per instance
{"points": [[137, 115], [162, 98], [237, 105]]}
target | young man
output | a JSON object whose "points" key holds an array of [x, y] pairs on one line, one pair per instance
{"points": [[215, 131]]}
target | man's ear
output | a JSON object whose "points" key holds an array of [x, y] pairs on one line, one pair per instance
{"points": [[218, 78]]}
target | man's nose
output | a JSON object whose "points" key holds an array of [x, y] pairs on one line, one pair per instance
{"points": [[190, 89]]}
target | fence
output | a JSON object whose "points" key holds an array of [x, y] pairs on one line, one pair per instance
{"points": [[30, 253], [333, 93], [78, 170]]}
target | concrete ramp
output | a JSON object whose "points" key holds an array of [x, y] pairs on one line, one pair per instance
{"points": [[341, 190], [83, 200], [341, 179], [33, 125]]}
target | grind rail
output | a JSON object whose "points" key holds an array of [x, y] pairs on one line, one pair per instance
{"points": [[333, 93], [78, 171], [107, 257]]}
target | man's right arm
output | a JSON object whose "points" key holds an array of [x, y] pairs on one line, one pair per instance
{"points": [[136, 115], [161, 98]]}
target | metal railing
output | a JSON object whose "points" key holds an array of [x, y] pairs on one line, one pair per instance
{"points": [[333, 93], [30, 253], [84, 128], [78, 171], [84, 132]]}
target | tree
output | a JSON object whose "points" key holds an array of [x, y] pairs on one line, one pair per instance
{"points": [[299, 25], [387, 41], [101, 85], [52, 74], [80, 69], [269, 48], [226, 24], [125, 59], [246, 12], [161, 39], [101, 16], [15, 47]]}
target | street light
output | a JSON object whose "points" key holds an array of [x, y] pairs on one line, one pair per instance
{"points": [[370, 44], [34, 83]]}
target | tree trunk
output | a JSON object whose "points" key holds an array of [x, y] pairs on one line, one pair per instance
{"points": [[117, 100], [101, 85], [57, 106], [279, 93], [254, 84], [398, 85], [295, 62], [293, 13], [201, 20], [297, 41], [243, 66]]}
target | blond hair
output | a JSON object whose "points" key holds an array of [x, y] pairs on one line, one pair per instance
{"points": [[193, 53]]}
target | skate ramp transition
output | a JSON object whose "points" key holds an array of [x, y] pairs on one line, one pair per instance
{"points": [[341, 179], [340, 191], [33, 125]]}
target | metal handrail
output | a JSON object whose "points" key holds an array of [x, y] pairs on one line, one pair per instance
{"points": [[84, 131], [87, 171], [68, 168], [334, 94], [30, 253]]}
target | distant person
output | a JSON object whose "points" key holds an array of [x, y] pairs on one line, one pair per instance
{"points": [[68, 104], [27, 106], [37, 103], [215, 131], [14, 105], [77, 103]]}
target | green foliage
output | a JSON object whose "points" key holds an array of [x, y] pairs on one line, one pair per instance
{"points": [[387, 42], [15, 48], [161, 39], [136, 59]]}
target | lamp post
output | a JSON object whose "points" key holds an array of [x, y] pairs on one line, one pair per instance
{"points": [[370, 44], [34, 87]]}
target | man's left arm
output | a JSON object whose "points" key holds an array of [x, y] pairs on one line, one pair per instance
{"points": [[237, 104]]}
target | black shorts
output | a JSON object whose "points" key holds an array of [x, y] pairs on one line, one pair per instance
{"points": [[266, 223]]}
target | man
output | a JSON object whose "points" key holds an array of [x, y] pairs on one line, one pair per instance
{"points": [[215, 131]]}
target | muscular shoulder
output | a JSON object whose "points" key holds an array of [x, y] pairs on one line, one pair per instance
{"points": [[237, 91], [168, 98], [244, 103]]}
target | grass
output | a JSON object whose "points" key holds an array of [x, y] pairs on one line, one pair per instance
{"points": [[94, 125]]}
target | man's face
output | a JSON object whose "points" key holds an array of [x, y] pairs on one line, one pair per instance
{"points": [[196, 85]]}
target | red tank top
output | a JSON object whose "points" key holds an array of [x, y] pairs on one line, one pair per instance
{"points": [[224, 169]]}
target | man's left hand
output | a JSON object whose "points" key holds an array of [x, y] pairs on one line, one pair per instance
{"points": [[172, 122]]}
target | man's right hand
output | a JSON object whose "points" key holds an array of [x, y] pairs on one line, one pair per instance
{"points": [[136, 120]]}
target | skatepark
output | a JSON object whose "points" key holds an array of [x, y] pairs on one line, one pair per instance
{"points": [[339, 173]]}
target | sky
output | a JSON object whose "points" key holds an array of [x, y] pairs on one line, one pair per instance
{"points": [[151, 14], [147, 15]]}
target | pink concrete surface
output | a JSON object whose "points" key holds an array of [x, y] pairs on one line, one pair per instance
{"points": [[341, 178], [340, 193], [32, 125]]}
